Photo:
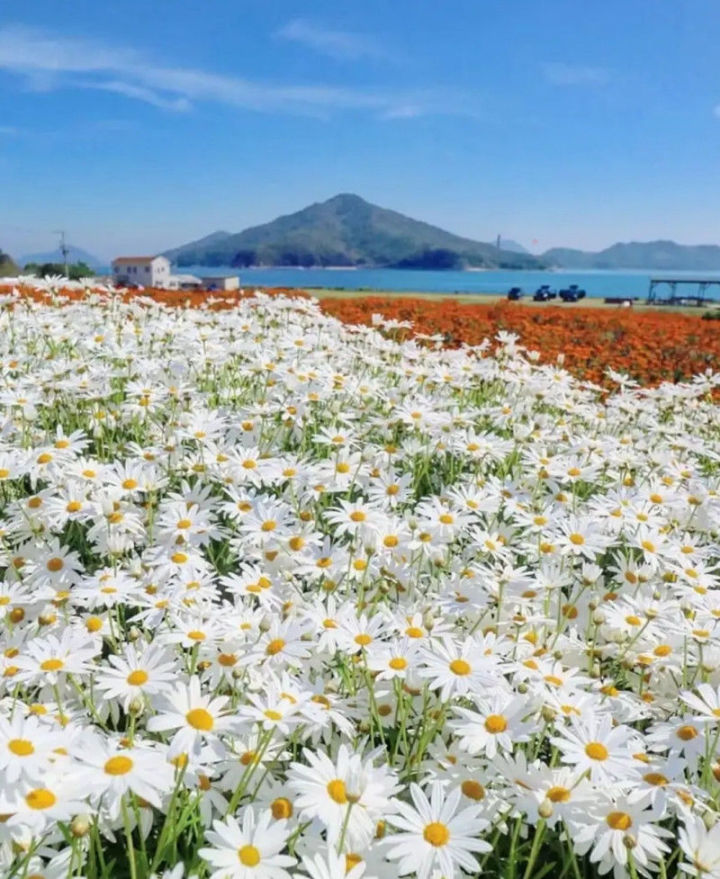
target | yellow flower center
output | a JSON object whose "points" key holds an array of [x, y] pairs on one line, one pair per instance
{"points": [[129, 483], [357, 516], [200, 719], [398, 663], [336, 791], [227, 660], [495, 723], [249, 856], [119, 765], [619, 820], [657, 779], [436, 833], [473, 789], [21, 747], [687, 733], [52, 665], [137, 678], [596, 751], [460, 667], [54, 565], [281, 808], [577, 539], [558, 794], [275, 646], [40, 798]]}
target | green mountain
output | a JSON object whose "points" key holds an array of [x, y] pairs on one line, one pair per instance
{"points": [[8, 269], [75, 254], [347, 231], [656, 255]]}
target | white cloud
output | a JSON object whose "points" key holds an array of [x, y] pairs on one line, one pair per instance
{"points": [[51, 62], [560, 73], [9, 131], [716, 110], [341, 45], [137, 92]]}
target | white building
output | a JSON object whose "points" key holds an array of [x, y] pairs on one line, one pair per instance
{"points": [[221, 282], [143, 271], [184, 282]]}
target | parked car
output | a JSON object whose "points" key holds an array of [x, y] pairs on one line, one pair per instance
{"points": [[515, 293], [572, 293], [544, 293]]}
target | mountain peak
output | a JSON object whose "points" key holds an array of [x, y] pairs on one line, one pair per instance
{"points": [[346, 230], [349, 198]]}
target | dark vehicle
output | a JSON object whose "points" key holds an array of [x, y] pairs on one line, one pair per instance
{"points": [[573, 293], [544, 293], [515, 293]]}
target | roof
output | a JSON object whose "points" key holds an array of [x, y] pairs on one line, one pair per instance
{"points": [[186, 279], [134, 259]]}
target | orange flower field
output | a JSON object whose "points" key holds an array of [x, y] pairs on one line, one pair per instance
{"points": [[651, 347]]}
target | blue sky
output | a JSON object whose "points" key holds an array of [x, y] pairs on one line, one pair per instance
{"points": [[140, 125]]}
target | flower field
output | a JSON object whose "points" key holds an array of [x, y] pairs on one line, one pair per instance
{"points": [[286, 595], [650, 347]]}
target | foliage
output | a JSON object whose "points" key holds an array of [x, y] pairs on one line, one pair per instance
{"points": [[7, 265], [75, 271]]}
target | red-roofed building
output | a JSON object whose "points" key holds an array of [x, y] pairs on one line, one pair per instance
{"points": [[143, 271]]}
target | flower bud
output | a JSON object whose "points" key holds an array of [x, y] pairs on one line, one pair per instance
{"points": [[136, 706], [80, 825], [629, 841], [134, 633], [545, 809]]}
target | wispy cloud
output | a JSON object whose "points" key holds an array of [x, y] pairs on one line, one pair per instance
{"points": [[9, 131], [716, 110], [338, 44], [49, 62], [560, 73]]}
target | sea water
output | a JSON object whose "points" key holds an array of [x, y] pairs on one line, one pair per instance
{"points": [[598, 284]]}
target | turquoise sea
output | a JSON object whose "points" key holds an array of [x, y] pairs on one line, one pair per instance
{"points": [[596, 283]]}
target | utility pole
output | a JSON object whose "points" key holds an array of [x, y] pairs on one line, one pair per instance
{"points": [[64, 249], [499, 240]]}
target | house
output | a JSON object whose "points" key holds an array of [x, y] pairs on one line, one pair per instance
{"points": [[221, 282], [143, 271]]}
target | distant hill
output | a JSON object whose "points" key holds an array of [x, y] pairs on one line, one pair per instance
{"points": [[75, 254], [656, 255], [347, 231], [8, 268], [512, 246]]}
